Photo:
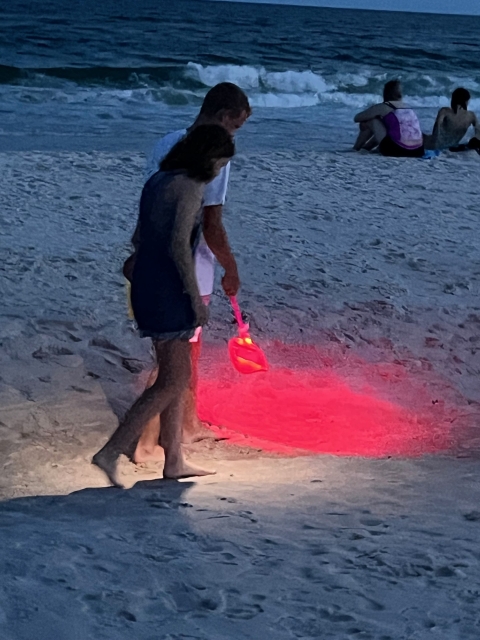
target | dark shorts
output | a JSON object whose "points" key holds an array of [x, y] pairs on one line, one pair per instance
{"points": [[473, 143], [161, 307], [185, 336], [390, 148]]}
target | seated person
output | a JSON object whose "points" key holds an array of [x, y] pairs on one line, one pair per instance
{"points": [[391, 126], [452, 124]]}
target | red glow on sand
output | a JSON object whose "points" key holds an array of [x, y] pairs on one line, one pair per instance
{"points": [[309, 406]]}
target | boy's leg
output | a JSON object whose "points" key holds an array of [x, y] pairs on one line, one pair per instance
{"points": [[147, 448], [172, 380], [193, 430]]}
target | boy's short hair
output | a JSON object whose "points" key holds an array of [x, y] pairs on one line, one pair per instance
{"points": [[460, 98], [225, 96], [392, 91]]}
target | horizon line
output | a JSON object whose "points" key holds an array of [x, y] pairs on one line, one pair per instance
{"points": [[314, 5]]}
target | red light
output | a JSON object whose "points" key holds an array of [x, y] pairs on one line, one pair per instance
{"points": [[244, 354], [315, 407]]}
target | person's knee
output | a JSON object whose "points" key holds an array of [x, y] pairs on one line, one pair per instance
{"points": [[173, 380], [474, 143], [176, 376], [364, 126]]}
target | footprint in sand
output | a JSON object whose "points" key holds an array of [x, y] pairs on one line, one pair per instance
{"points": [[372, 523], [58, 354], [243, 607], [335, 614]]}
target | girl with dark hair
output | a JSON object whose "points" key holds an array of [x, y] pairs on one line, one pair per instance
{"points": [[452, 124], [227, 105], [164, 293], [197, 154]]}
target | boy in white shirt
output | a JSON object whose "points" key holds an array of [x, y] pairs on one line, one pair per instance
{"points": [[227, 105]]}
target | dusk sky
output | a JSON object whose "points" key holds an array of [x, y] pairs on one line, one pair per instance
{"points": [[468, 7]]}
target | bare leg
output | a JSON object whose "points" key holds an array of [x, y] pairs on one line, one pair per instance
{"points": [[171, 440], [371, 144], [364, 137], [371, 134], [171, 382], [379, 130], [193, 430], [148, 449]]}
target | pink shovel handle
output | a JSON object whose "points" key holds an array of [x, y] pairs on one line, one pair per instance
{"points": [[242, 326]]}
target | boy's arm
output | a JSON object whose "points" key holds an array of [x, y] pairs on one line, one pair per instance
{"points": [[217, 240], [214, 231], [439, 119], [181, 251]]}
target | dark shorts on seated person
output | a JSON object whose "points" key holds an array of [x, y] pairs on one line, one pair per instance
{"points": [[390, 148], [472, 144]]}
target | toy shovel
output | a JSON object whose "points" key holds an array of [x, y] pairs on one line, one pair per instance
{"points": [[246, 356]]}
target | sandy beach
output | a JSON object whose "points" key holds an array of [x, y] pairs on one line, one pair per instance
{"points": [[360, 277]]}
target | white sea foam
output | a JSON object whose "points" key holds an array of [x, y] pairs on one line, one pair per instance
{"points": [[277, 89], [283, 100], [270, 88], [186, 86]]}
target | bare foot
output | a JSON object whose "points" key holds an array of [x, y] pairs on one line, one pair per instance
{"points": [[142, 454], [183, 469], [109, 467], [196, 432]]}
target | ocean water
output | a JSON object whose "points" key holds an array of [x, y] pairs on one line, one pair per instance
{"points": [[115, 74]]}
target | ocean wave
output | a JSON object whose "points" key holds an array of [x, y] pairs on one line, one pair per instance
{"points": [[177, 84], [286, 82]]}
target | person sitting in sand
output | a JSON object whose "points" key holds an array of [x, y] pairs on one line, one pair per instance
{"points": [[453, 123], [165, 298], [391, 126], [227, 105]]}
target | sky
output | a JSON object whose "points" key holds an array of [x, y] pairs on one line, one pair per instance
{"points": [[467, 7]]}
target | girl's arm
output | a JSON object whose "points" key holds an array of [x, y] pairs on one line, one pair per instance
{"points": [[377, 111], [188, 205]]}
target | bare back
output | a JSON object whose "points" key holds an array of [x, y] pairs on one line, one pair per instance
{"points": [[450, 128]]}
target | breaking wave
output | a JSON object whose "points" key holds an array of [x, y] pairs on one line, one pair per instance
{"points": [[177, 84]]}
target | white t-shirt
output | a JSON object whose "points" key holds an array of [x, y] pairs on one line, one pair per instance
{"points": [[215, 193]]}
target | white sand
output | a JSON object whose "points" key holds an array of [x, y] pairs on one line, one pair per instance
{"points": [[374, 260]]}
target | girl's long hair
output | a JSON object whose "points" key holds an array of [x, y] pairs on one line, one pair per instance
{"points": [[197, 152]]}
